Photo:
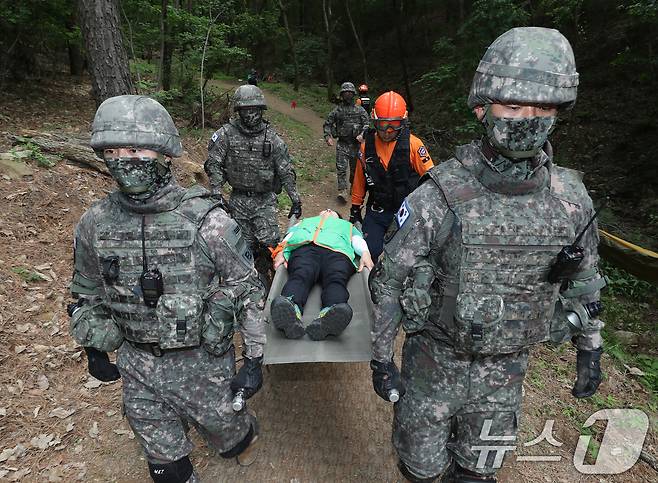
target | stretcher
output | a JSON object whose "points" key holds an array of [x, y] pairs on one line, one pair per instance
{"points": [[353, 345]]}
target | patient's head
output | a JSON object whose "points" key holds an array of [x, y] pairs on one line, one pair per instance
{"points": [[329, 213]]}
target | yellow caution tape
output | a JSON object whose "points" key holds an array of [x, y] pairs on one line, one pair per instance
{"points": [[634, 259], [626, 244]]}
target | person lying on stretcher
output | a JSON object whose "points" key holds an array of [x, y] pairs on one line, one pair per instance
{"points": [[320, 249]]}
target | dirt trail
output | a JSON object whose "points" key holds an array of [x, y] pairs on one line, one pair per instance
{"points": [[319, 422]]}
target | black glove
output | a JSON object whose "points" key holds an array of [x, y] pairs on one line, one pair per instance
{"points": [[295, 209], [249, 378], [588, 372], [355, 214], [385, 377], [99, 365]]}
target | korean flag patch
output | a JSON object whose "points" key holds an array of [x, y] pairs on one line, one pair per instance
{"points": [[403, 214]]}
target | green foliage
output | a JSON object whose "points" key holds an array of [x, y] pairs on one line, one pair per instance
{"points": [[31, 30], [34, 152], [621, 283], [627, 357], [27, 275]]}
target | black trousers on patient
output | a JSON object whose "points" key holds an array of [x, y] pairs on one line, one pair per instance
{"points": [[311, 264]]}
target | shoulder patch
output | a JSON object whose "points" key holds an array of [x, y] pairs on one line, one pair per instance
{"points": [[403, 214], [401, 217], [214, 137], [422, 151]]}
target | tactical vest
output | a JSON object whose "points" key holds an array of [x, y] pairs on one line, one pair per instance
{"points": [[349, 123], [388, 187], [172, 247], [249, 165], [492, 292]]}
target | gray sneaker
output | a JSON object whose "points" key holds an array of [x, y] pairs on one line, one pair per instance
{"points": [[331, 321], [287, 317]]}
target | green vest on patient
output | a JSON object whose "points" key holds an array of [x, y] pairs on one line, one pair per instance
{"points": [[332, 233]]}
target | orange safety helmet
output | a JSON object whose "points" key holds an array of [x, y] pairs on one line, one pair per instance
{"points": [[390, 111], [363, 88]]}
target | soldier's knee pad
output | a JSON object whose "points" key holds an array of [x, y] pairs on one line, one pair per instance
{"points": [[241, 446], [178, 471], [406, 472], [462, 475]]}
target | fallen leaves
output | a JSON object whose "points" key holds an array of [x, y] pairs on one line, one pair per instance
{"points": [[42, 382], [93, 431], [12, 454], [60, 413], [93, 383], [43, 441]]}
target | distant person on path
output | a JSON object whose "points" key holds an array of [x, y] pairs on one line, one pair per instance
{"points": [[346, 122], [364, 98], [250, 156], [481, 266], [252, 78], [324, 249], [163, 276], [391, 161]]}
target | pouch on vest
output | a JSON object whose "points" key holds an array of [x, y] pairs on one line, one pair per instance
{"points": [[92, 329], [416, 306], [560, 331], [218, 317], [180, 317], [479, 327]]}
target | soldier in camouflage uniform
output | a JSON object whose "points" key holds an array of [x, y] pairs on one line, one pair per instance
{"points": [[466, 270], [347, 123], [163, 275], [254, 160]]}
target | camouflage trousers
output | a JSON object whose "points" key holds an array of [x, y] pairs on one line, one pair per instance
{"points": [[163, 396], [257, 217], [346, 155], [449, 400]]}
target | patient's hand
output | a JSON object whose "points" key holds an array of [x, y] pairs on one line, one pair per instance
{"points": [[279, 259], [366, 261]]}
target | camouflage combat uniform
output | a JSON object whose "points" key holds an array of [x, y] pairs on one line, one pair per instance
{"points": [[345, 123], [175, 350], [256, 164], [465, 272]]}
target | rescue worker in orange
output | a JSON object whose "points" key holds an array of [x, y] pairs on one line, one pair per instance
{"points": [[391, 161], [364, 98]]}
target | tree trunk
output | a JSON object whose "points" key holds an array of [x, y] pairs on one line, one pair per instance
{"points": [[326, 14], [76, 60], [403, 56], [106, 56], [166, 49], [291, 43], [358, 42]]}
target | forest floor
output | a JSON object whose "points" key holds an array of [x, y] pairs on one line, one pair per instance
{"points": [[319, 422]]}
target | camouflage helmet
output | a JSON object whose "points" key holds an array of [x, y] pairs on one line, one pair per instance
{"points": [[526, 65], [347, 87], [248, 96], [136, 122]]}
